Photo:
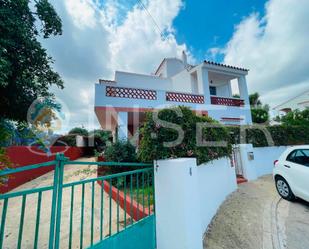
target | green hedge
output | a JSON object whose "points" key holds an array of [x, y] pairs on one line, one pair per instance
{"points": [[281, 135], [155, 134]]}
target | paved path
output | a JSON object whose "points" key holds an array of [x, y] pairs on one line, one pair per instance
{"points": [[71, 173], [255, 217]]}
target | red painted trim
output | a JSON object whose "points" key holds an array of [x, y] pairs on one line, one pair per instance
{"points": [[235, 119], [125, 202], [123, 109], [25, 155], [131, 93], [241, 180], [215, 100], [184, 97], [137, 109]]}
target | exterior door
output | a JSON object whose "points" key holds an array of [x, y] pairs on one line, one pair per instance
{"points": [[237, 160]]}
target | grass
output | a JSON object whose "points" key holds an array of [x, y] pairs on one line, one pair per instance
{"points": [[138, 195]]}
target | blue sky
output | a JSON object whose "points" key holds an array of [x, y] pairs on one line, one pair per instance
{"points": [[269, 37], [205, 24]]}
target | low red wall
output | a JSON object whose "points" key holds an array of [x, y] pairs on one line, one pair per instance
{"points": [[125, 202], [25, 155]]}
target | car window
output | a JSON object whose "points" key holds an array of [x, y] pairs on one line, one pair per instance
{"points": [[291, 156], [304, 157], [306, 152], [299, 156]]}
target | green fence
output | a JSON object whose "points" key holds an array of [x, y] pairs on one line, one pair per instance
{"points": [[104, 213]]}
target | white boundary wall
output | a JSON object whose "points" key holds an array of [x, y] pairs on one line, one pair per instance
{"points": [[187, 198], [263, 161]]}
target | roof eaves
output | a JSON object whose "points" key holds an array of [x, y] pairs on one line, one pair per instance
{"points": [[224, 65]]}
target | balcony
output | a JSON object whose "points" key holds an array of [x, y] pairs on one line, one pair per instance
{"points": [[126, 97], [215, 100], [111, 100]]}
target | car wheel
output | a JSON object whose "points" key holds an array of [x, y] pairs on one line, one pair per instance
{"points": [[284, 189]]}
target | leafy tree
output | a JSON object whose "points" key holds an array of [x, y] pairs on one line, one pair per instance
{"points": [[79, 131], [296, 118], [101, 138], [254, 99], [25, 67], [259, 111], [5, 134]]}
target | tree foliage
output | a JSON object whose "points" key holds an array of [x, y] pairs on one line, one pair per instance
{"points": [[120, 151], [155, 135], [281, 135], [259, 115], [25, 67], [259, 111], [254, 99], [79, 131], [296, 118]]}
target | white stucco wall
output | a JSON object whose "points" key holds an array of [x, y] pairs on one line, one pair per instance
{"points": [[220, 111], [264, 158], [216, 180], [133, 80], [187, 198], [181, 82], [263, 161], [102, 100]]}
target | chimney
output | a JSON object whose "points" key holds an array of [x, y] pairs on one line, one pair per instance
{"points": [[184, 58]]}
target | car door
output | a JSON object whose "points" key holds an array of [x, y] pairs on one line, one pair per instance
{"points": [[298, 168]]}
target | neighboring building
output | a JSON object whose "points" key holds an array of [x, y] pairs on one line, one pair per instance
{"points": [[300, 102], [205, 88]]}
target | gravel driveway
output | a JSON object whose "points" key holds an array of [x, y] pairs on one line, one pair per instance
{"points": [[255, 217]]}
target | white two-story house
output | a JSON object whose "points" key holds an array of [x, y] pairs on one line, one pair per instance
{"points": [[120, 104]]}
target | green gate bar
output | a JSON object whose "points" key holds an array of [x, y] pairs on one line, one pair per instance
{"points": [[127, 184]]}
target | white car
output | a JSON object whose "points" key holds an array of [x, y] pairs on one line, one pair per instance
{"points": [[291, 173]]}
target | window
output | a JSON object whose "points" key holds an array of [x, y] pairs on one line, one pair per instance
{"points": [[213, 90], [299, 156], [290, 157]]}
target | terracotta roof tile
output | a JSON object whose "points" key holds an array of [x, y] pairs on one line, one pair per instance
{"points": [[224, 65]]}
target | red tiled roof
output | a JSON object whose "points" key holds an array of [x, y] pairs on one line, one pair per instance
{"points": [[224, 65]]}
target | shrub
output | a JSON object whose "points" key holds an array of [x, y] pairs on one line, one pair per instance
{"points": [[281, 134], [155, 134], [120, 151], [259, 115], [79, 131], [296, 118]]}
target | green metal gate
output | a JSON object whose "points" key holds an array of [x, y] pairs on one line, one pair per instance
{"points": [[119, 210]]}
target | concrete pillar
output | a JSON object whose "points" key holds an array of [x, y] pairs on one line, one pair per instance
{"points": [[249, 169], [202, 76], [122, 126], [243, 90], [178, 215]]}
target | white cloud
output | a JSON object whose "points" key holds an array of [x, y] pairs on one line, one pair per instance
{"points": [[136, 45], [275, 49], [99, 38], [82, 13]]}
